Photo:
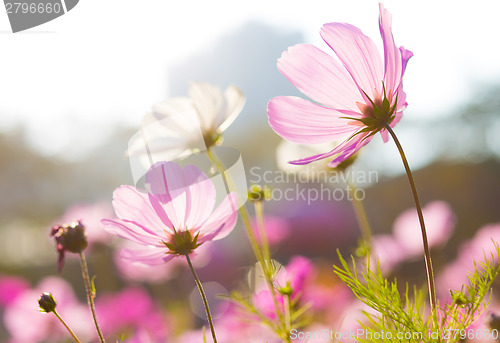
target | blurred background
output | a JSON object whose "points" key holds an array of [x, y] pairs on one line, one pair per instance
{"points": [[74, 91]]}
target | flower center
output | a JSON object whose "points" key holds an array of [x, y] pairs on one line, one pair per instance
{"points": [[378, 112], [182, 242]]}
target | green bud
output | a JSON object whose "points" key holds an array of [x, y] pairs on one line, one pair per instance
{"points": [[287, 290], [258, 193]]}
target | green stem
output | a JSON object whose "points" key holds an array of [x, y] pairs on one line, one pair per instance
{"points": [[427, 253], [90, 294], [268, 274], [259, 214], [362, 218], [203, 297], [66, 326]]}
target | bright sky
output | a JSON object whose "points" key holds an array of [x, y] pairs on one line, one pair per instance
{"points": [[105, 62]]}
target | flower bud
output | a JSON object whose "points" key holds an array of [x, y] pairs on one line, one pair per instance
{"points": [[287, 290], [69, 238], [47, 303], [258, 193]]}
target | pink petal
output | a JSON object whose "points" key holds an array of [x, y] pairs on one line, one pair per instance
{"points": [[131, 231], [392, 55], [405, 55], [302, 121], [350, 148], [168, 192], [346, 149], [201, 196], [357, 53], [222, 220], [133, 205], [150, 256], [319, 76]]}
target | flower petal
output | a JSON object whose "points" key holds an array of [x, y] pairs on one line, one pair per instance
{"points": [[349, 148], [201, 196], [222, 220], [171, 130], [346, 149], [168, 193], [133, 205], [302, 121], [357, 53], [405, 55], [150, 256], [319, 76], [234, 101], [208, 101], [392, 55], [131, 231]]}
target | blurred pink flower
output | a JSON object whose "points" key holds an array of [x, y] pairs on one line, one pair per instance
{"points": [[439, 220], [476, 249], [277, 229], [387, 251], [360, 96], [131, 310], [174, 217], [10, 288], [481, 244], [26, 324], [90, 216], [299, 270]]}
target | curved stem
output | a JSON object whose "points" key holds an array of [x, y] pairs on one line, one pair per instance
{"points": [[259, 214], [90, 294], [66, 326], [203, 297], [427, 253]]}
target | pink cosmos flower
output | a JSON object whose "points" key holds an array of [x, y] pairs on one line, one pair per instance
{"points": [[360, 97], [174, 217]]}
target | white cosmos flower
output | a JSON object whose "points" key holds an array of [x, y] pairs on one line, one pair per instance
{"points": [[177, 127]]}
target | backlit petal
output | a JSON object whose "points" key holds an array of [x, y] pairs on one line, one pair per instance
{"points": [[234, 102], [201, 196], [131, 231], [133, 205], [357, 53], [222, 220], [168, 193], [319, 76], [149, 256], [392, 55], [302, 121]]}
